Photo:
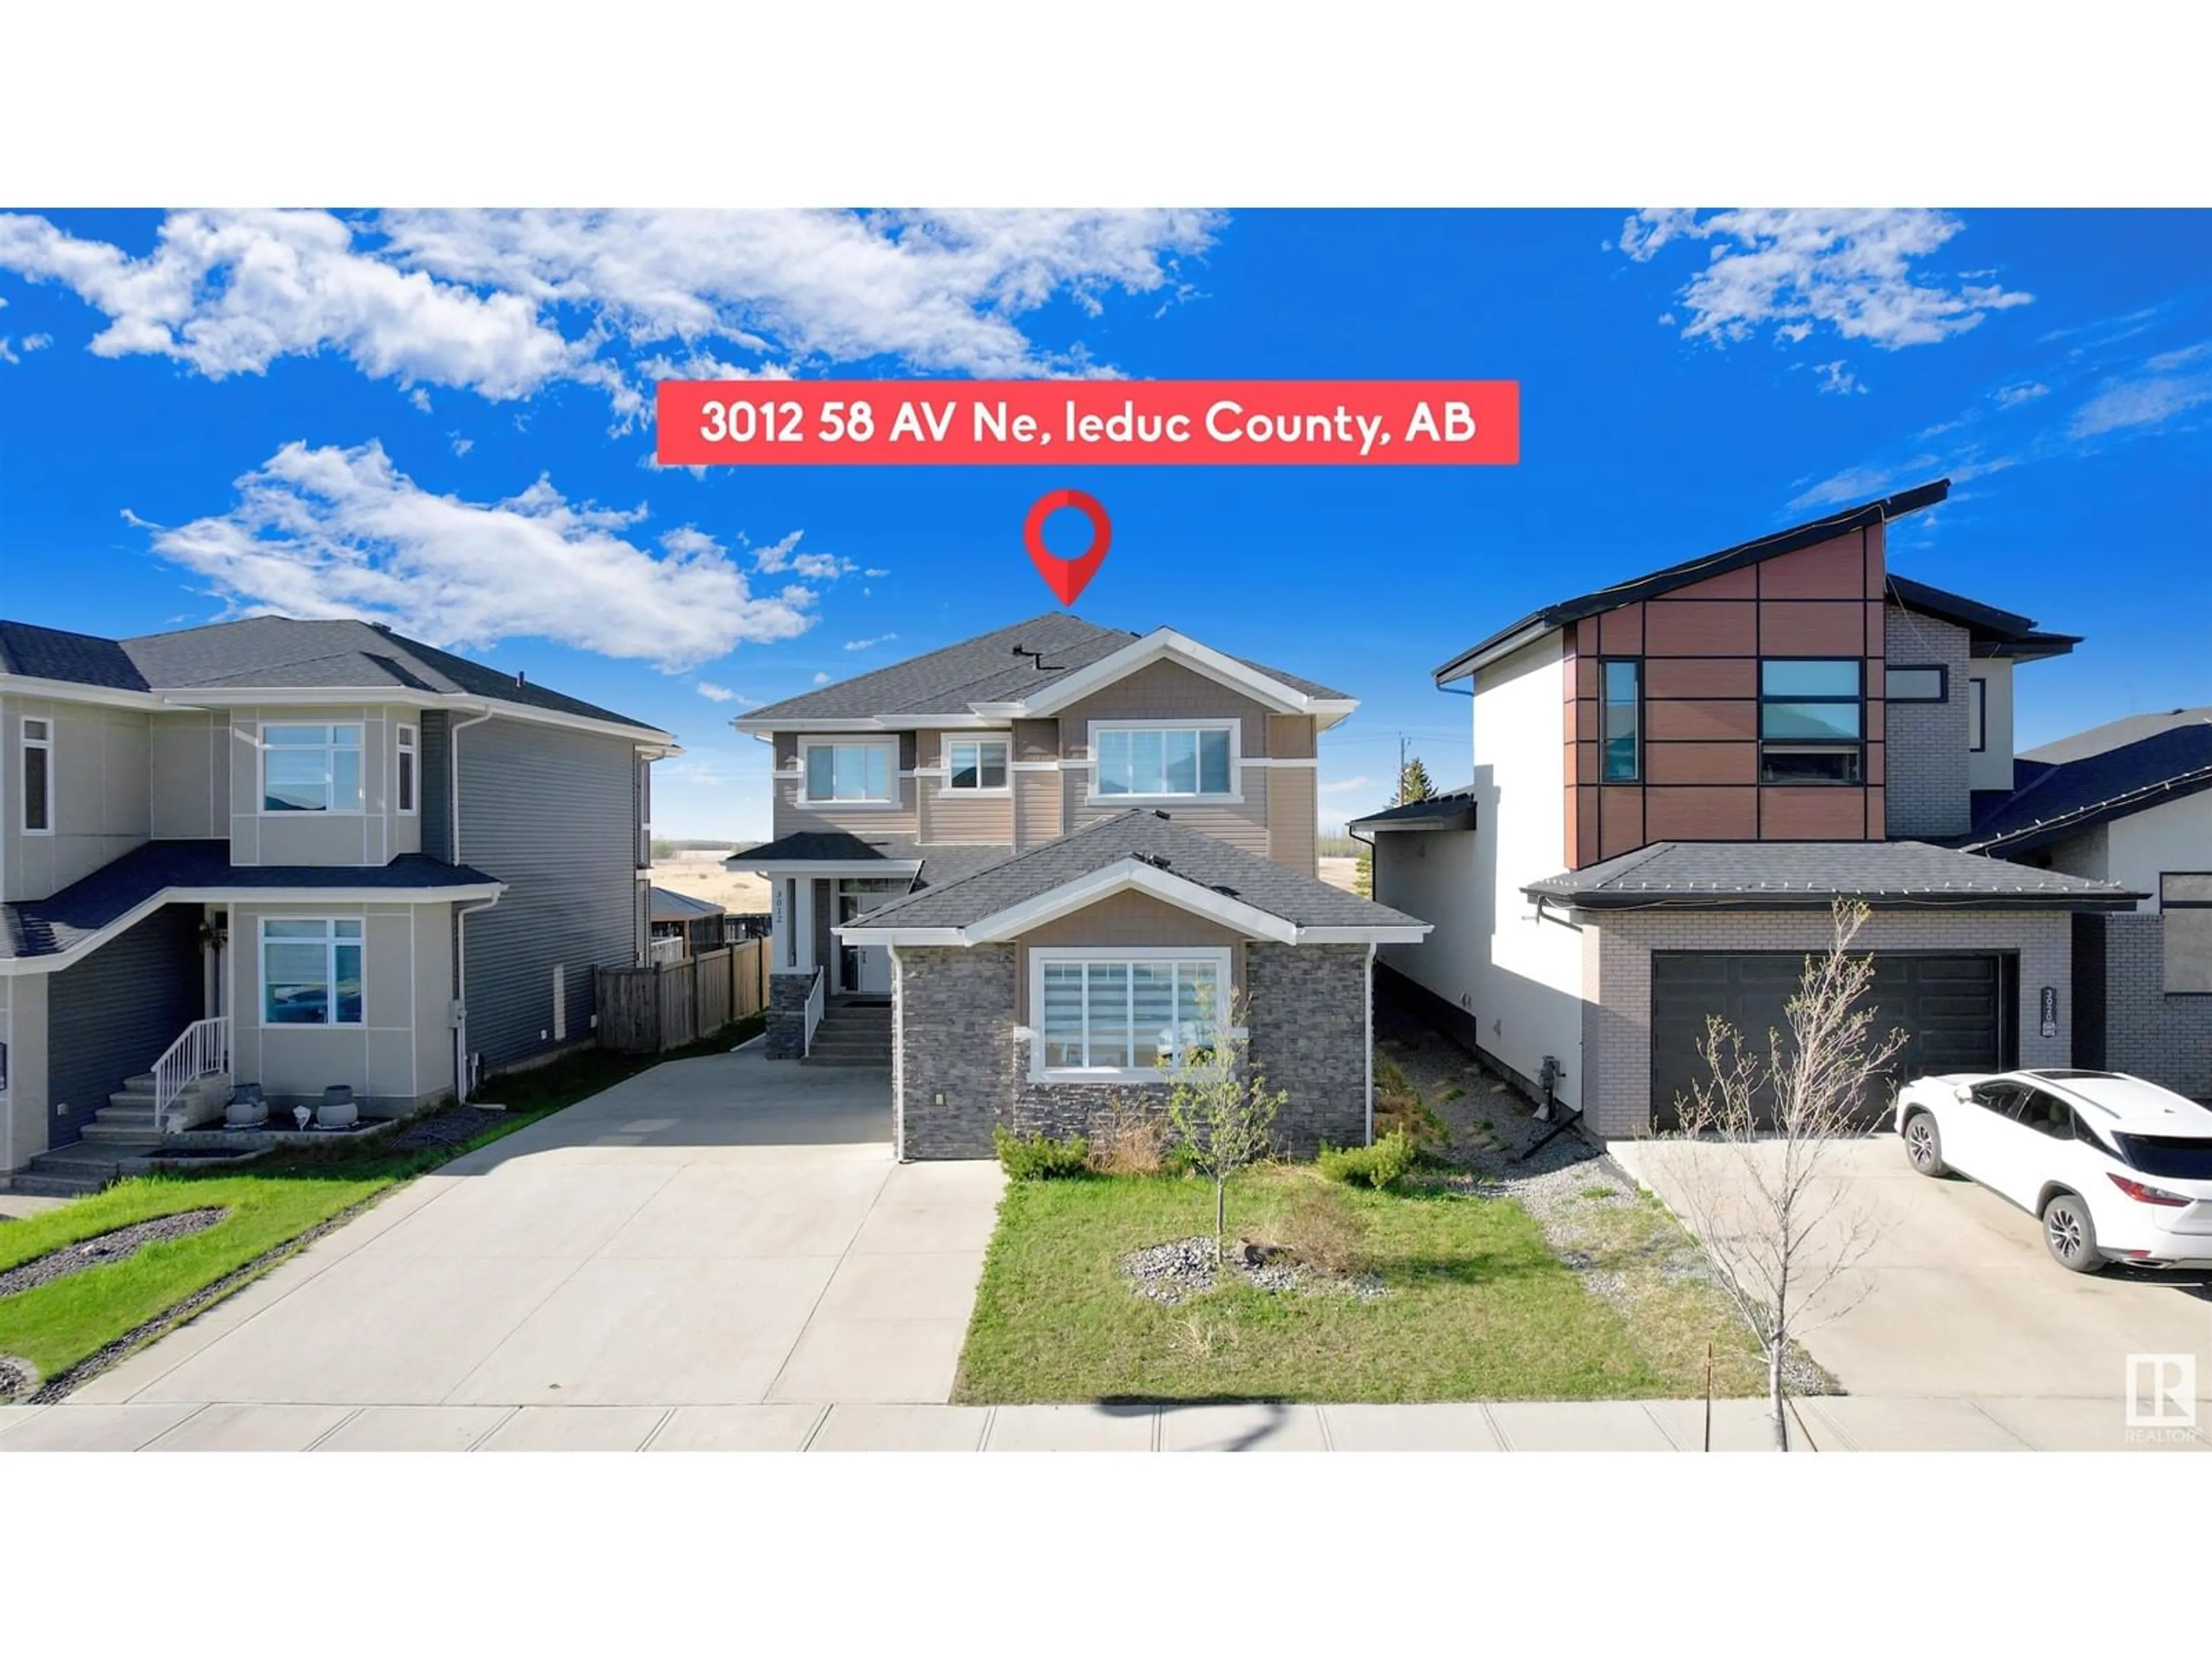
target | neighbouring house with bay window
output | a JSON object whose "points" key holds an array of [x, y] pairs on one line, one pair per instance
{"points": [[1027, 870], [295, 854]]}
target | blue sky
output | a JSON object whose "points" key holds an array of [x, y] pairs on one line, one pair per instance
{"points": [[443, 420]]}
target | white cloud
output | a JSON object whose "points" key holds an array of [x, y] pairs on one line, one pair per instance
{"points": [[503, 303], [1862, 484], [1794, 271], [823, 566], [420, 399], [1835, 378], [870, 645], [821, 678], [872, 571], [2146, 400], [343, 532], [777, 556], [714, 693], [461, 445], [2011, 397], [1344, 785]]}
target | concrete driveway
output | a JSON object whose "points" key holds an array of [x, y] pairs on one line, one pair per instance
{"points": [[1959, 1297], [713, 1233]]}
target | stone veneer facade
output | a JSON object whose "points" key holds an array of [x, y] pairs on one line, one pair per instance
{"points": [[787, 1014], [953, 1041], [1617, 947]]}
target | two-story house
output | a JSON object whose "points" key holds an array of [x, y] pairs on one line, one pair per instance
{"points": [[1674, 778], [1053, 853], [296, 854]]}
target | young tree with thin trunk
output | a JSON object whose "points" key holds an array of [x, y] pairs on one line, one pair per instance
{"points": [[1753, 1178], [1219, 1109]]}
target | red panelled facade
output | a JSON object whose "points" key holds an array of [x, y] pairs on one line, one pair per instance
{"points": [[1698, 769]]}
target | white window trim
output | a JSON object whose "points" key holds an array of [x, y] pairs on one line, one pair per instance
{"points": [[360, 809], [1039, 956], [407, 745], [1235, 796], [947, 786], [891, 775], [22, 749], [331, 943]]}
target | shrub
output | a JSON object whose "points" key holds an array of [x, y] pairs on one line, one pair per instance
{"points": [[1131, 1142], [1322, 1231], [1038, 1156], [1379, 1166]]}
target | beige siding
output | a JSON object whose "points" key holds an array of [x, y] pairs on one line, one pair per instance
{"points": [[1292, 815], [793, 815], [190, 764], [98, 762], [946, 816], [1290, 736], [1159, 691], [1240, 823], [1038, 815], [1131, 919]]}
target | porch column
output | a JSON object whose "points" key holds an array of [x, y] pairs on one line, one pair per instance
{"points": [[802, 923]]}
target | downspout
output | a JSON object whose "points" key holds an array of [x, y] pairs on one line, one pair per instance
{"points": [[461, 912], [1367, 1020]]}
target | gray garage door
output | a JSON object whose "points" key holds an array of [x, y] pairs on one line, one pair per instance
{"points": [[1952, 1009]]}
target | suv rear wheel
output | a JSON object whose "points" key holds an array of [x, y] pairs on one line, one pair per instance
{"points": [[2071, 1234]]}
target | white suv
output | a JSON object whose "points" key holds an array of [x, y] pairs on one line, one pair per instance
{"points": [[2119, 1170]]}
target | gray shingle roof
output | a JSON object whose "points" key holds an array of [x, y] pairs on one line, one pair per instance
{"points": [[940, 862], [49, 654], [281, 651], [277, 652], [669, 905], [2054, 801], [1295, 898], [1451, 809], [49, 926], [985, 669], [1754, 874]]}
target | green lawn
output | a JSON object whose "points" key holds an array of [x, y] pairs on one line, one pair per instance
{"points": [[1479, 1307], [272, 1202]]}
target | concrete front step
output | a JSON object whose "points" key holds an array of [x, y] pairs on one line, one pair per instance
{"points": [[124, 1105], [32, 1184], [107, 1133], [854, 1062]]}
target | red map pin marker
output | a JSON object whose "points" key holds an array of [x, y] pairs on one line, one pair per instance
{"points": [[1067, 577]]}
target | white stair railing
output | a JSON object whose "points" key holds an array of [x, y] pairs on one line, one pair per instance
{"points": [[814, 1006], [202, 1050]]}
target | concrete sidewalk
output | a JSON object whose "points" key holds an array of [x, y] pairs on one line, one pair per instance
{"points": [[1832, 1423]]}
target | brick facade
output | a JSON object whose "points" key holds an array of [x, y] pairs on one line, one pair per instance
{"points": [[959, 1069], [1616, 1091], [1928, 794], [2131, 1024]]}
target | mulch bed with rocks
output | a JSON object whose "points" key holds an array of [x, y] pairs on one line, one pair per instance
{"points": [[1173, 1272], [106, 1248], [450, 1125]]}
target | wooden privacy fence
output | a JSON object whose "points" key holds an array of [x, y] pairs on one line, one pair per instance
{"points": [[667, 1005]]}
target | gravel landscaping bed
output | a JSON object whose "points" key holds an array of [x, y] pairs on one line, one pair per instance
{"points": [[1576, 1194], [1173, 1272], [16, 1377], [106, 1248], [450, 1125]]}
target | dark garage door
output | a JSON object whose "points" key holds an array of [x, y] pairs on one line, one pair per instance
{"points": [[1951, 1007]]}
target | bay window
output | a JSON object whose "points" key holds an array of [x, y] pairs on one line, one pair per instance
{"points": [[1164, 760], [1810, 724], [1123, 1015], [974, 765], [310, 769], [311, 972], [847, 772]]}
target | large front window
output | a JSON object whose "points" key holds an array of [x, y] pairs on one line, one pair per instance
{"points": [[1810, 723], [1108, 1015], [848, 772], [311, 768], [311, 973], [1157, 760]]}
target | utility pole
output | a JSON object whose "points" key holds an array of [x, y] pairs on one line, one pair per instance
{"points": [[1398, 795]]}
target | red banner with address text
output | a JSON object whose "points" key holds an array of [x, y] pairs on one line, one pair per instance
{"points": [[1089, 423]]}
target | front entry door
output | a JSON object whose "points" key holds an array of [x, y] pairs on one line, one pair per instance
{"points": [[863, 969]]}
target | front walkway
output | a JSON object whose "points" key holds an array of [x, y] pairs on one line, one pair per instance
{"points": [[710, 1233]]}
